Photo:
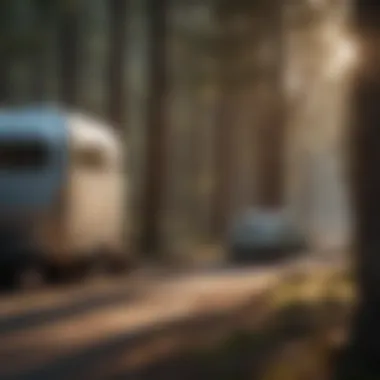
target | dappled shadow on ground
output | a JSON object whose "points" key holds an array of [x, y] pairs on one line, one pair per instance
{"points": [[38, 317], [235, 343], [297, 329], [253, 342], [294, 341], [136, 349]]}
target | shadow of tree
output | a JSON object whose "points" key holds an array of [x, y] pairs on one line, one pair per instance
{"points": [[245, 354], [244, 343], [31, 319], [239, 344]]}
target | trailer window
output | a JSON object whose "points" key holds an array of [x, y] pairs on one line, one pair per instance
{"points": [[91, 158], [23, 155]]}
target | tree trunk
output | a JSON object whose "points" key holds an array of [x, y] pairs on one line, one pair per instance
{"points": [[68, 40], [271, 134], [223, 163], [361, 360], [38, 72], [196, 157], [221, 200], [116, 102], [4, 81], [156, 128]]}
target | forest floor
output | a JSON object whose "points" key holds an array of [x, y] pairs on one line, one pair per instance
{"points": [[248, 322], [290, 332]]}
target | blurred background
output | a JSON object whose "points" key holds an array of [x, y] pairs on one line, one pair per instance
{"points": [[252, 99], [234, 118]]}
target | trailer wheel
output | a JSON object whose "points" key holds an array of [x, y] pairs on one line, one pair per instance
{"points": [[96, 267], [29, 277], [122, 264]]}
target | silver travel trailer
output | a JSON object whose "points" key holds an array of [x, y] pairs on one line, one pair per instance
{"points": [[62, 193]]}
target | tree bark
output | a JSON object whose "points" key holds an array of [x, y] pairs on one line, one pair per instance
{"points": [[156, 128], [361, 359], [116, 99]]}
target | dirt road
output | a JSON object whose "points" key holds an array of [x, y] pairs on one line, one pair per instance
{"points": [[73, 332]]}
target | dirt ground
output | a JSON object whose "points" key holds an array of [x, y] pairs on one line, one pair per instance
{"points": [[163, 327], [290, 332]]}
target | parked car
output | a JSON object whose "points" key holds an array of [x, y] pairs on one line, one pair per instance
{"points": [[264, 235]]}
